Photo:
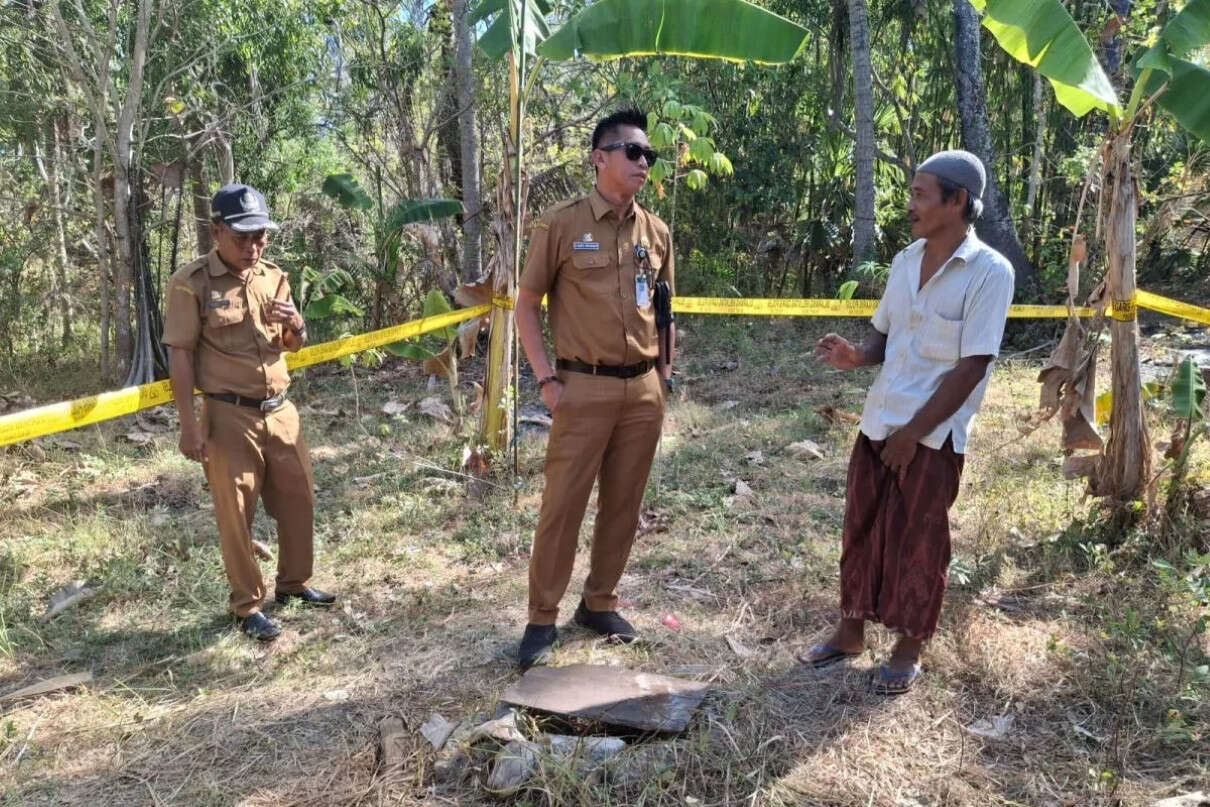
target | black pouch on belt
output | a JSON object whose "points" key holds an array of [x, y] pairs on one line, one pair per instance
{"points": [[662, 300]]}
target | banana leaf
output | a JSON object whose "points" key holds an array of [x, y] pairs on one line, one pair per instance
{"points": [[715, 29], [347, 192], [1188, 390], [427, 346], [1041, 33], [410, 212], [1189, 30], [1186, 96], [504, 32]]}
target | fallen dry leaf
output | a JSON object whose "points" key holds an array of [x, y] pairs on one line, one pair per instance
{"points": [[435, 408], [837, 416], [738, 647], [469, 295], [396, 407], [139, 438], [49, 685], [805, 449], [994, 728], [67, 597], [468, 336]]}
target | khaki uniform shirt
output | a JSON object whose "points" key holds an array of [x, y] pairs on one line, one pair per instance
{"points": [[581, 255], [224, 321]]}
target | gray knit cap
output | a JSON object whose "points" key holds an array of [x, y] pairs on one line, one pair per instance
{"points": [[960, 167]]}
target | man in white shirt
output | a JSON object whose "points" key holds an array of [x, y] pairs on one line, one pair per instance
{"points": [[936, 332]]}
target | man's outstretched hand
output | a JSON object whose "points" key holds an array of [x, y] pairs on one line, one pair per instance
{"points": [[838, 352]]}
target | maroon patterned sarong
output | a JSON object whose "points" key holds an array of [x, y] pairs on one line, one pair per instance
{"points": [[896, 552]]}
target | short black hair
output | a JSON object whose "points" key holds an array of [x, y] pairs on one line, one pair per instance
{"points": [[631, 116], [974, 205]]}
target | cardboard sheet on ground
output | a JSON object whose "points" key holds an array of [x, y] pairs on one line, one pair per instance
{"points": [[620, 697]]}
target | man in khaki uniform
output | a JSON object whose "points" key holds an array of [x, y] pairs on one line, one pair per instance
{"points": [[598, 259], [229, 320]]}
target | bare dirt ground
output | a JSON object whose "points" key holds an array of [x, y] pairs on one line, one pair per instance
{"points": [[1053, 619]]}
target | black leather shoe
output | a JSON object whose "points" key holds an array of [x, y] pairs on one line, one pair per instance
{"points": [[536, 644], [259, 626], [606, 623], [308, 596]]}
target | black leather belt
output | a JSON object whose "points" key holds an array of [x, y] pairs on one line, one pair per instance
{"points": [[625, 371], [263, 404]]}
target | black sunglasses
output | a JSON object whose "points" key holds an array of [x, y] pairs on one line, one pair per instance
{"points": [[633, 151]]}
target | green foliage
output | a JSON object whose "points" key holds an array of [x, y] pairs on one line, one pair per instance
{"points": [[503, 34], [685, 130], [846, 290], [424, 210], [347, 192], [1184, 82], [1188, 390], [716, 29], [1042, 34], [430, 344]]}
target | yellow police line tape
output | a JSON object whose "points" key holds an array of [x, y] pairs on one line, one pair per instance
{"points": [[41, 421], [830, 308], [58, 417]]}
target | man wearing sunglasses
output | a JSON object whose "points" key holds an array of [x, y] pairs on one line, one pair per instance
{"points": [[598, 260], [229, 320]]}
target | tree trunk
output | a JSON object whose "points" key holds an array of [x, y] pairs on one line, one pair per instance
{"points": [[103, 259], [996, 226], [48, 169], [494, 423], [124, 267], [122, 199], [1035, 165], [472, 203], [201, 204], [1125, 466], [226, 159], [863, 103]]}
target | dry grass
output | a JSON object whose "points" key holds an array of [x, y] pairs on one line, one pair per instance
{"points": [[1078, 643]]}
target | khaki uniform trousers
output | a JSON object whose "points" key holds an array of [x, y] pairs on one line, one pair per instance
{"points": [[604, 429], [250, 454]]}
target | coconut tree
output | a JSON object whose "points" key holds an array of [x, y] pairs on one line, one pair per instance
{"points": [[1042, 34], [518, 34]]}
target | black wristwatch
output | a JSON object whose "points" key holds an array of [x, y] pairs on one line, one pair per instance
{"points": [[670, 384], [542, 382]]}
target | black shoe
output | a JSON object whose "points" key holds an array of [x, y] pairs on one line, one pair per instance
{"points": [[308, 596], [259, 626], [606, 623], [536, 644]]}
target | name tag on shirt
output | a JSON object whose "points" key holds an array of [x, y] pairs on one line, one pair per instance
{"points": [[642, 294], [590, 246], [224, 303]]}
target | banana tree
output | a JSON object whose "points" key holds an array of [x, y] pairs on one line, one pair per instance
{"points": [[389, 229], [1042, 34], [609, 29]]}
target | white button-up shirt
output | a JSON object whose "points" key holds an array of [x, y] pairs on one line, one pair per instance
{"points": [[960, 312]]}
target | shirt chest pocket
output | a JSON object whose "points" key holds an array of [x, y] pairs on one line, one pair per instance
{"points": [[589, 259], [939, 338], [224, 318]]}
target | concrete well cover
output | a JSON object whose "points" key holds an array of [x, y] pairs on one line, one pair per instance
{"points": [[620, 697]]}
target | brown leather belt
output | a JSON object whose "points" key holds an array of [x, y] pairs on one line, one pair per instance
{"points": [[625, 371], [263, 404]]}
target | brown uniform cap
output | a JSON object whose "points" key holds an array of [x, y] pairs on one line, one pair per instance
{"points": [[224, 321], [582, 256]]}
